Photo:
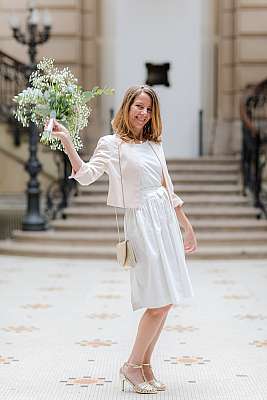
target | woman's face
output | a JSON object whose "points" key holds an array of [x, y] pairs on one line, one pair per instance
{"points": [[140, 112]]}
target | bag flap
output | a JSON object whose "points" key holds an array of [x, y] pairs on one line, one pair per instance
{"points": [[122, 251]]}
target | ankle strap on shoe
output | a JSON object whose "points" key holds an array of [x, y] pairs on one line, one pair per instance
{"points": [[134, 365], [148, 365]]}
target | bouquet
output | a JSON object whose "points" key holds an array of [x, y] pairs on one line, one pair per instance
{"points": [[54, 93]]}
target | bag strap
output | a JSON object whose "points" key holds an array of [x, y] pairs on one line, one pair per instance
{"points": [[162, 172], [158, 159], [122, 199]]}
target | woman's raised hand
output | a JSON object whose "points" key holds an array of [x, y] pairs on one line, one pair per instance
{"points": [[59, 130]]}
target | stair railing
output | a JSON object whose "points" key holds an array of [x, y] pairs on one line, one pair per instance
{"points": [[13, 79], [254, 154], [61, 189]]}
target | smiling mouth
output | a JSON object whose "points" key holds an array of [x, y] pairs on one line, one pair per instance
{"points": [[141, 120]]}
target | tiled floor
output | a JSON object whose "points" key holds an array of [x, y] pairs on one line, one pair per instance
{"points": [[66, 327]]}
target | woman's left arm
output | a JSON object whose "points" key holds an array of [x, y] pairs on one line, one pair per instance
{"points": [[190, 241]]}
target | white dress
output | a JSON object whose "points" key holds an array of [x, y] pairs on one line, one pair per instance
{"points": [[160, 276]]}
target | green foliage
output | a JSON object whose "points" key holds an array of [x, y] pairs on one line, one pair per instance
{"points": [[96, 91]]}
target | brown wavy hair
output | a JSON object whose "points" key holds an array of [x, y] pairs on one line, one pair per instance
{"points": [[121, 125]]}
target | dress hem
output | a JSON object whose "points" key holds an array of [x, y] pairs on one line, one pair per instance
{"points": [[175, 303]]}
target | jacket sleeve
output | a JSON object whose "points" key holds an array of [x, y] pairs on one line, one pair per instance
{"points": [[176, 200], [92, 170]]}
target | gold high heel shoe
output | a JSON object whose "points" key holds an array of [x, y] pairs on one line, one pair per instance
{"points": [[154, 382], [143, 387]]}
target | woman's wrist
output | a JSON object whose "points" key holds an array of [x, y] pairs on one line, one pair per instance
{"points": [[187, 226], [67, 144], [183, 220], [66, 140]]}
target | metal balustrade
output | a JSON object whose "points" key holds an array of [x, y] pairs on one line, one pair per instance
{"points": [[254, 153], [13, 79]]}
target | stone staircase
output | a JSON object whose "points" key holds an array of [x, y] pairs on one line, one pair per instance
{"points": [[227, 227]]}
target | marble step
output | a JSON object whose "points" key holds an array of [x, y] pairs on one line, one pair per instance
{"points": [[9, 247], [192, 179], [185, 188], [203, 169], [108, 252], [238, 252], [110, 238], [209, 160], [17, 201], [105, 212], [96, 224], [191, 200], [199, 169]]}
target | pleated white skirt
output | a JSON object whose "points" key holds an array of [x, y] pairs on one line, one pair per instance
{"points": [[160, 276]]}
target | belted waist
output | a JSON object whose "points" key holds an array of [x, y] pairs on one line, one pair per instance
{"points": [[149, 190], [153, 192], [152, 187]]}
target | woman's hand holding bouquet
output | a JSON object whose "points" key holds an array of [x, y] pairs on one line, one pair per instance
{"points": [[57, 130]]}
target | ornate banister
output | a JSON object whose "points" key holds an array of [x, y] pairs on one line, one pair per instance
{"points": [[13, 75], [254, 151], [13, 79]]}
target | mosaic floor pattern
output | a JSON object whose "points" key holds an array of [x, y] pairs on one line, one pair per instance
{"points": [[66, 327]]}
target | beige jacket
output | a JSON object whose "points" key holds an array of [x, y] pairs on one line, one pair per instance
{"points": [[105, 158]]}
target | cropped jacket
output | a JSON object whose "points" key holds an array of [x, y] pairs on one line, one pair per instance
{"points": [[105, 158]]}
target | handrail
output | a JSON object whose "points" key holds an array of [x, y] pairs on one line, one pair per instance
{"points": [[3, 54], [13, 79], [200, 133], [254, 153]]}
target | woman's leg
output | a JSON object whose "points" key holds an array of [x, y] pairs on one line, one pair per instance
{"points": [[147, 330], [147, 358], [151, 347]]}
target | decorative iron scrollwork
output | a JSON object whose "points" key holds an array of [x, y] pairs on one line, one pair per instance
{"points": [[61, 189]]}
